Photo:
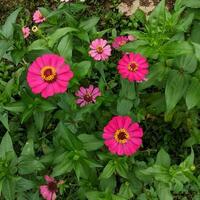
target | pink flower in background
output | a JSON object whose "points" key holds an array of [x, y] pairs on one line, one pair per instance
{"points": [[26, 31], [100, 50], [134, 67], [38, 17], [87, 95], [65, 1], [49, 75], [122, 136], [48, 191], [121, 40]]}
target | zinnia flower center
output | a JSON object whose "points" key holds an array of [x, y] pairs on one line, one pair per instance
{"points": [[52, 186], [88, 97], [99, 49], [133, 67], [121, 136], [48, 73]]}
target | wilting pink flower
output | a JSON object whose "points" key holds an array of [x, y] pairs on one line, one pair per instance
{"points": [[49, 75], [100, 50], [26, 31], [134, 67], [121, 40], [87, 95], [122, 136], [49, 190], [38, 17]]}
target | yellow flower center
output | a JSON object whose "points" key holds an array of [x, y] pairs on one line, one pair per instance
{"points": [[121, 135], [133, 66], [99, 49], [48, 73], [34, 29]]}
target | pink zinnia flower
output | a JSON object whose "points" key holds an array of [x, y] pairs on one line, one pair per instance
{"points": [[49, 75], [38, 17], [48, 191], [87, 95], [26, 31], [100, 50], [131, 38], [119, 41], [133, 66], [122, 136]]}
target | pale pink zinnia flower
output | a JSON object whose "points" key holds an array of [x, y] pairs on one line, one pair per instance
{"points": [[26, 31], [38, 17], [87, 95], [119, 41], [134, 67], [122, 136], [100, 50], [49, 190], [49, 75]]}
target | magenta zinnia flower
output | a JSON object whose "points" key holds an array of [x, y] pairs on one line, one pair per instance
{"points": [[134, 67], [26, 31], [122, 136], [49, 75], [87, 95], [49, 190], [38, 17], [100, 50]]}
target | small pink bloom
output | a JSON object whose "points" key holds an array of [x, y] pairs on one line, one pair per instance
{"points": [[49, 190], [38, 17], [49, 75], [100, 50], [134, 67], [122, 136], [26, 31], [87, 95], [119, 41], [131, 38]]}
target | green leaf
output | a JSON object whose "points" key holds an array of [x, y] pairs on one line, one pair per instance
{"points": [[189, 161], [38, 44], [90, 142], [163, 158], [163, 191], [197, 50], [82, 69], [176, 48], [6, 145], [193, 93], [188, 63], [108, 170], [124, 106], [133, 46], [58, 34], [4, 120], [195, 32], [122, 169], [28, 149], [24, 184], [89, 24], [39, 119], [185, 23], [8, 188], [177, 84], [127, 90], [191, 3], [4, 46], [15, 107], [65, 47], [126, 191], [8, 28]]}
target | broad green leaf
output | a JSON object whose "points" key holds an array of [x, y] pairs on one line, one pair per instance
{"points": [[82, 69], [65, 47], [126, 191], [195, 32], [4, 46], [122, 169], [124, 106], [191, 3], [28, 149], [163, 191], [127, 90], [6, 145], [163, 158], [4, 120], [176, 48], [177, 84], [90, 142], [8, 28], [108, 170], [58, 34], [89, 24], [133, 46], [15, 107], [189, 161], [38, 44], [188, 63], [24, 184], [197, 50], [185, 22], [193, 93], [8, 188]]}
